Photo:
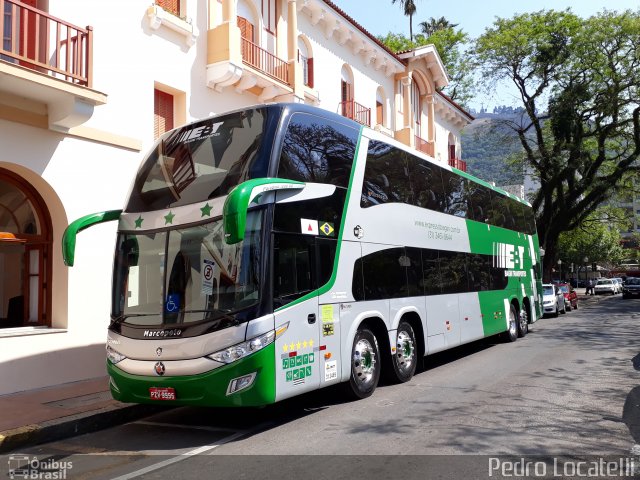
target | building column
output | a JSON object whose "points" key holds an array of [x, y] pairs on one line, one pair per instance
{"points": [[295, 69], [229, 10], [431, 112]]}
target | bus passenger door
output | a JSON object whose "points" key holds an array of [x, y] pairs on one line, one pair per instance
{"points": [[295, 304]]}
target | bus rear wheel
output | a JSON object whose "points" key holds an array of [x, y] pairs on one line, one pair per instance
{"points": [[365, 365], [523, 323], [404, 358], [511, 335]]}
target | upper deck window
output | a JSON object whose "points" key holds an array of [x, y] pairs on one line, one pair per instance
{"points": [[204, 160]]}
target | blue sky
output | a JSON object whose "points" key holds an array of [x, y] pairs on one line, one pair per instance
{"points": [[472, 16]]}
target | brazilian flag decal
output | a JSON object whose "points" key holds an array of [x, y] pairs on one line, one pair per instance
{"points": [[327, 229]]}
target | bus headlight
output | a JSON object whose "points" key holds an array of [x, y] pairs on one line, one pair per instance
{"points": [[236, 352], [113, 355]]}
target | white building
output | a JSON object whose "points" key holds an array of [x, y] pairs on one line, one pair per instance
{"points": [[79, 106]]}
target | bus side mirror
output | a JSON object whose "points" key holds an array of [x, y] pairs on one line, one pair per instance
{"points": [[70, 233], [240, 199]]}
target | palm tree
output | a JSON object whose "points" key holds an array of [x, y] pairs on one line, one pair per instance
{"points": [[433, 25], [409, 8]]}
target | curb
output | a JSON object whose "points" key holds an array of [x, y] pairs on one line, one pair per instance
{"points": [[36, 434]]}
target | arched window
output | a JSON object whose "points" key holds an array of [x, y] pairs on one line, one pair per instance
{"points": [[306, 59], [381, 100], [25, 244], [416, 105], [346, 92], [452, 147]]}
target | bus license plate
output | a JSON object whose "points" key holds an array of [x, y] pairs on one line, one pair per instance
{"points": [[163, 393]]}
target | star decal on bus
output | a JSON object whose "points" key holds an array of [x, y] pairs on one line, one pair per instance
{"points": [[206, 210], [139, 221], [168, 218]]}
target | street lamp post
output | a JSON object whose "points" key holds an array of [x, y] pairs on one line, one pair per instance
{"points": [[560, 269], [586, 259]]}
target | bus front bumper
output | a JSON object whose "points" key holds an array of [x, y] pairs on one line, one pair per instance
{"points": [[205, 389]]}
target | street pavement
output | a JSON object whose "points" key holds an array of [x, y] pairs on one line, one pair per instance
{"points": [[569, 388]]}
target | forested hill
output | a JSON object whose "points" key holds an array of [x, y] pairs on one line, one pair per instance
{"points": [[489, 148]]}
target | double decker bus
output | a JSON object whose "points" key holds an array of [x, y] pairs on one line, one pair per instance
{"points": [[279, 249]]}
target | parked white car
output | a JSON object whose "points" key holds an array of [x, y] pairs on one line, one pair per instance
{"points": [[552, 300], [605, 285]]}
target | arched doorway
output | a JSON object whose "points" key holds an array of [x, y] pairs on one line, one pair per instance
{"points": [[25, 245]]}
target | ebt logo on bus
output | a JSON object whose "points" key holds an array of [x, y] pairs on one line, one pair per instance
{"points": [[509, 257]]}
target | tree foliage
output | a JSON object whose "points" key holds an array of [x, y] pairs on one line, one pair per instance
{"points": [[584, 75], [597, 239], [432, 25]]}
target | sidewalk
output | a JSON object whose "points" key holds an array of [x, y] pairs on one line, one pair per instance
{"points": [[42, 415]]}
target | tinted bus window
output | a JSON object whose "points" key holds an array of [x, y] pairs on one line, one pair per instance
{"points": [[413, 262], [384, 274], [455, 194], [453, 272], [480, 200], [502, 216], [386, 176], [426, 180], [431, 272], [317, 150], [204, 160], [478, 272]]}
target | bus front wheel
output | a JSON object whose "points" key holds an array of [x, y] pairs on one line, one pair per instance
{"points": [[365, 365]]}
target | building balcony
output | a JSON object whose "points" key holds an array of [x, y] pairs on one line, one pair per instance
{"points": [[265, 62], [46, 66], [234, 61], [457, 163], [424, 146], [355, 111]]}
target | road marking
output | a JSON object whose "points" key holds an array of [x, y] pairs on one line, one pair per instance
{"points": [[194, 427], [181, 457]]}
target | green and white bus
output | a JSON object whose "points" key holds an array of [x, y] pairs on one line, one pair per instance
{"points": [[279, 249]]}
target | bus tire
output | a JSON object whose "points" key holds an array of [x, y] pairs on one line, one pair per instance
{"points": [[511, 335], [523, 323], [365, 365], [405, 357]]}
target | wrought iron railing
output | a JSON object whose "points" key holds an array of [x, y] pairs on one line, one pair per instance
{"points": [[34, 39], [424, 146], [357, 112], [457, 163], [264, 61]]}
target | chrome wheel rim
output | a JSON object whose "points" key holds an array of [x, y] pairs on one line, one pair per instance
{"points": [[364, 362], [512, 323], [524, 320], [405, 351]]}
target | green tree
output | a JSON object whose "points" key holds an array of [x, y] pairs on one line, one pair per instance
{"points": [[432, 25], [584, 75], [409, 8], [596, 238]]}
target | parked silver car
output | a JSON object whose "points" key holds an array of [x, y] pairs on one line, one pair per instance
{"points": [[552, 300]]}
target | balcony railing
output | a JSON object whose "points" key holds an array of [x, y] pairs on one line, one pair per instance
{"points": [[34, 39], [457, 163], [355, 111], [264, 61], [424, 146]]}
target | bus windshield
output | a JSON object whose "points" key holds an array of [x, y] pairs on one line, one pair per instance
{"points": [[203, 160], [186, 275]]}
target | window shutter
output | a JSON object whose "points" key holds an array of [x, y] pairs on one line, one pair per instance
{"points": [[162, 112], [310, 72], [172, 6], [246, 29], [379, 113]]}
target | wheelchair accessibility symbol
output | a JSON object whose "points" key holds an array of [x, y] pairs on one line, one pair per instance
{"points": [[173, 303]]}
